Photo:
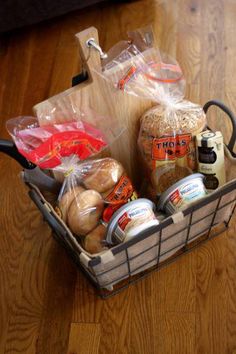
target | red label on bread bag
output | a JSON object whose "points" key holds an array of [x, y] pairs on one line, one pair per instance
{"points": [[171, 147], [122, 192]]}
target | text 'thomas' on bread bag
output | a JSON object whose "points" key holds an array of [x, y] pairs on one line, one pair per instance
{"points": [[168, 129]]}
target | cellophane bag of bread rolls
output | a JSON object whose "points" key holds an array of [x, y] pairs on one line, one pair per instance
{"points": [[91, 192], [168, 128]]}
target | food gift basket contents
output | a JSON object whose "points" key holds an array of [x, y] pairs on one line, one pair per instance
{"points": [[80, 164]]}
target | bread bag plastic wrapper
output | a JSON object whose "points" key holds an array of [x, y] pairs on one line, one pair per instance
{"points": [[92, 191], [86, 134], [168, 129]]}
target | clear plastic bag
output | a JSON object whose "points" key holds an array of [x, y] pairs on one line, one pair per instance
{"points": [[92, 191], [86, 135], [167, 130]]}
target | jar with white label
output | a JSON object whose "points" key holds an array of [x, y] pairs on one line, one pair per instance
{"points": [[182, 194], [210, 156]]}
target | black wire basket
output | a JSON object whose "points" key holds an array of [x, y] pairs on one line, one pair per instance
{"points": [[115, 269]]}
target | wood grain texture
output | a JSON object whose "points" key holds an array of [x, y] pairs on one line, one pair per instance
{"points": [[57, 303], [213, 60], [231, 290], [46, 305], [84, 338], [179, 335], [230, 65], [211, 320]]}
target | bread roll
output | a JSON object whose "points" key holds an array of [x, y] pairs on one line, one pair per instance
{"points": [[66, 200], [164, 177], [84, 212], [105, 194], [93, 241], [104, 175], [188, 118]]}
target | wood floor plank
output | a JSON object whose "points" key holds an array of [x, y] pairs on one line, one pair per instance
{"points": [[231, 306], [12, 239], [230, 49], [27, 304], [115, 323], [58, 299], [84, 338], [189, 41], [175, 287], [165, 26], [87, 306], [143, 318], [213, 50], [230, 65], [172, 333], [231, 289], [15, 212], [178, 334], [211, 314]]}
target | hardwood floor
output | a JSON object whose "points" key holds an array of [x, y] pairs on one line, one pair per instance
{"points": [[46, 305]]}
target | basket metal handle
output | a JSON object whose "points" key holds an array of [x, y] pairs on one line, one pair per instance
{"points": [[10, 149], [232, 117]]}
